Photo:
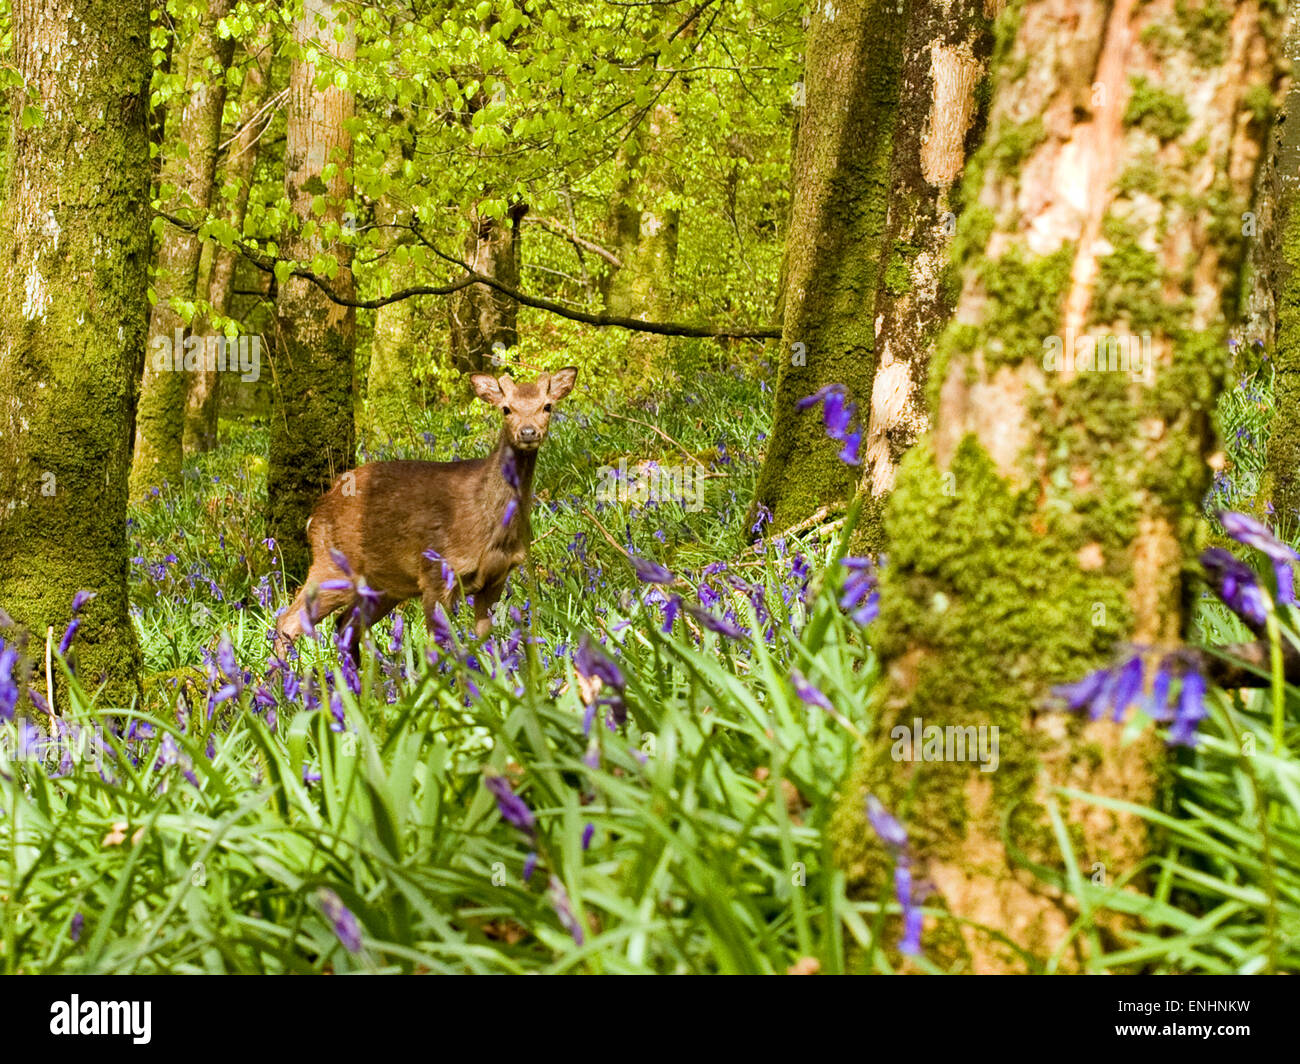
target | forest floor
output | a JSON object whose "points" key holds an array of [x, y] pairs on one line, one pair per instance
{"points": [[534, 802]]}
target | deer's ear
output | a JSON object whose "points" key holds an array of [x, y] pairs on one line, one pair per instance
{"points": [[487, 388], [562, 381]]}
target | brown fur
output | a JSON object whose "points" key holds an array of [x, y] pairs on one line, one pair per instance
{"points": [[383, 516]]}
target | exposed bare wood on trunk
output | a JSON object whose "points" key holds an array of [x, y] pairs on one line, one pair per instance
{"points": [[944, 58]]}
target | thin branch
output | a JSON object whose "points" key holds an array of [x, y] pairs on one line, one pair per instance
{"points": [[577, 241], [267, 264]]}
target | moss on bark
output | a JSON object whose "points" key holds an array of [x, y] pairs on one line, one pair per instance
{"points": [[1048, 516], [74, 244], [834, 248]]}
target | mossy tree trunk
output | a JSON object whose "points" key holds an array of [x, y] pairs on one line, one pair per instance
{"points": [[644, 225], [1281, 484], [940, 122], [312, 426], [392, 393], [482, 317], [841, 177], [193, 135], [74, 249], [204, 399], [1051, 510]]}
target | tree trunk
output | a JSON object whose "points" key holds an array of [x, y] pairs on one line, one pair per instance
{"points": [[832, 257], [204, 398], [1050, 512], [312, 429], [193, 134], [1281, 484], [74, 242], [945, 59], [645, 235], [391, 389], [482, 317]]}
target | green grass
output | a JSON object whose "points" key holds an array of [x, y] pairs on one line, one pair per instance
{"points": [[219, 842]]}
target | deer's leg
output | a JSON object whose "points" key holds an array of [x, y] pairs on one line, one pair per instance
{"points": [[433, 595], [356, 624], [317, 606], [484, 599]]}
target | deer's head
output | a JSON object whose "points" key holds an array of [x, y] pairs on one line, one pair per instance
{"points": [[525, 408]]}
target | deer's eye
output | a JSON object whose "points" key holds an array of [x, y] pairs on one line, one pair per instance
{"points": [[505, 410], [547, 408]]}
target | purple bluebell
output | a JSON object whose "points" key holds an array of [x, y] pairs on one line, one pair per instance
{"points": [[514, 810], [885, 824], [1190, 710], [68, 636], [808, 694], [713, 623], [861, 597], [510, 469], [894, 836], [651, 572], [341, 919], [80, 599], [1235, 582], [1252, 533], [564, 909]]}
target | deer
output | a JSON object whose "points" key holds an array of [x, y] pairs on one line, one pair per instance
{"points": [[430, 529]]}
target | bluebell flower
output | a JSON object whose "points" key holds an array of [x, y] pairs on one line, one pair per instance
{"points": [[807, 693], [1237, 585], [1252, 533], [861, 597], [514, 810], [68, 636], [342, 919], [650, 572], [564, 910], [1190, 712], [909, 896], [713, 623]]}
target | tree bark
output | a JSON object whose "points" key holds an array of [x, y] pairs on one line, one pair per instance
{"points": [[1050, 512], [193, 134], [204, 399], [391, 390], [851, 85], [74, 244], [481, 317], [945, 60], [312, 427], [1281, 482]]}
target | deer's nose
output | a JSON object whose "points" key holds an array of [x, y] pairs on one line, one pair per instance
{"points": [[529, 434]]}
